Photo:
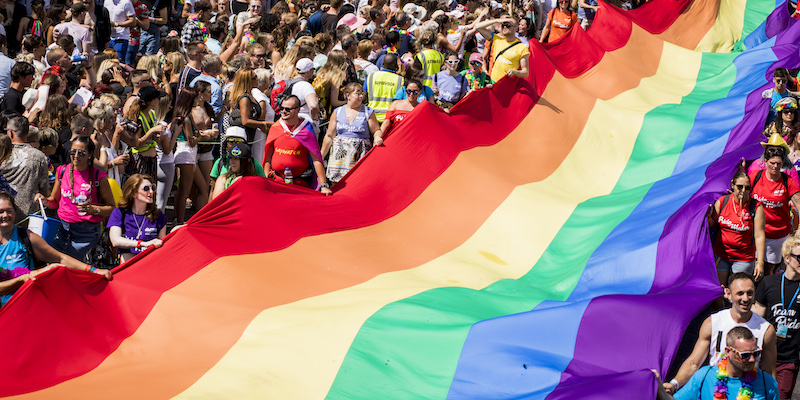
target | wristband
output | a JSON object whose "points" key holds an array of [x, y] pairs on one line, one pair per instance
{"points": [[87, 267], [760, 263], [139, 244], [93, 270], [675, 382]]}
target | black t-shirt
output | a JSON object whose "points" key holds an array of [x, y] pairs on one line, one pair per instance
{"points": [[187, 76], [329, 21], [12, 101], [768, 294]]}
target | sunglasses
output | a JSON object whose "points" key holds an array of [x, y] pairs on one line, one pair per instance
{"points": [[475, 63], [260, 55], [257, 7], [795, 256], [788, 110], [412, 91], [743, 187], [235, 140], [287, 109], [745, 355], [506, 25], [148, 188], [79, 153], [452, 62]]}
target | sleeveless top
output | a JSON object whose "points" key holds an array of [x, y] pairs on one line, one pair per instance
{"points": [[735, 240], [147, 122], [359, 128], [236, 116], [722, 322]]}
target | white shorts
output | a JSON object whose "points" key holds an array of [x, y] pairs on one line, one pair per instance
{"points": [[207, 156], [185, 154], [773, 251]]}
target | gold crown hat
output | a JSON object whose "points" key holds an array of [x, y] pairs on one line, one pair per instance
{"points": [[777, 141]]}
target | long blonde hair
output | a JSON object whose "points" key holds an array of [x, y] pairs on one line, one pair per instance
{"points": [[242, 85], [331, 75], [106, 64], [150, 64], [303, 48], [178, 62]]}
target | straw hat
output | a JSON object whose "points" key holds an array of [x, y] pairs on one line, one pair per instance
{"points": [[777, 141]]}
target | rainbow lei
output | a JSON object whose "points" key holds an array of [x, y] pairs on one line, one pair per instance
{"points": [[402, 32], [721, 387], [390, 49], [202, 27], [36, 28]]}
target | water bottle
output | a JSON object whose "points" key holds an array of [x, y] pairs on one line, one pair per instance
{"points": [[287, 176], [81, 199]]}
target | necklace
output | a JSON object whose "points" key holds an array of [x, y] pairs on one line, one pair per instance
{"points": [[738, 212], [721, 387], [139, 225]]}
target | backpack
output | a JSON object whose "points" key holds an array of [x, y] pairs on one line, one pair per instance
{"points": [[26, 243], [282, 90], [760, 173]]}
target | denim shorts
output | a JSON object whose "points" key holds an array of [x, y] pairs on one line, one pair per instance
{"points": [[77, 238], [733, 267]]}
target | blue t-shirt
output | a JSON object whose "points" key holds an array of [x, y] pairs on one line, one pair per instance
{"points": [[15, 262], [137, 227], [701, 386], [451, 88], [587, 13]]}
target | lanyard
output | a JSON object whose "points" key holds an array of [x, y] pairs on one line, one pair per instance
{"points": [[783, 279]]}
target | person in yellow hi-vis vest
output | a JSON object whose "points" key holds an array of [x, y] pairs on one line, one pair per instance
{"points": [[381, 86], [429, 60]]}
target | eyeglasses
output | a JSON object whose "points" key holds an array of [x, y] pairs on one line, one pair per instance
{"points": [[412, 91], [743, 187], [287, 109], [79, 153], [148, 188], [744, 356]]}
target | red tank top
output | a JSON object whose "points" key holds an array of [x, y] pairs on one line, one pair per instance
{"points": [[775, 197], [735, 240]]}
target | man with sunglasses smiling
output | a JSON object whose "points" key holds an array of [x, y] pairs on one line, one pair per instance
{"points": [[777, 300], [740, 291], [735, 377], [292, 145]]}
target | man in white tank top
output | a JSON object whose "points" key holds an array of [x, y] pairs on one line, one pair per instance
{"points": [[710, 344]]}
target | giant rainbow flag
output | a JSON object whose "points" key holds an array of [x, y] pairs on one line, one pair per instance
{"points": [[544, 240]]}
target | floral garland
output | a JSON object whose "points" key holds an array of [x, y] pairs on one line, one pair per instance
{"points": [[402, 32], [390, 49], [721, 387], [202, 27]]}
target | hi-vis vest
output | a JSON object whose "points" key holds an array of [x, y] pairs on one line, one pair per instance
{"points": [[431, 61], [381, 88]]}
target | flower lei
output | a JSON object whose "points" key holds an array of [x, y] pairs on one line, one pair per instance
{"points": [[390, 49], [202, 27], [402, 32], [721, 387]]}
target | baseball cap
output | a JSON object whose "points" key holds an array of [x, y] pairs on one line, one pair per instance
{"points": [[150, 93], [476, 57], [304, 65], [239, 150], [236, 132]]}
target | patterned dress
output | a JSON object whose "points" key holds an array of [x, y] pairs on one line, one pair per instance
{"points": [[351, 143]]}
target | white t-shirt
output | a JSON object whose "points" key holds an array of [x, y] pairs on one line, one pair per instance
{"points": [[79, 33], [301, 90], [119, 11]]}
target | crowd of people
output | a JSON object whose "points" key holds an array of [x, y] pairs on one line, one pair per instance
{"points": [[114, 109], [756, 241]]}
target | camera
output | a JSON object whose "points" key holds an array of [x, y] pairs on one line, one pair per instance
{"points": [[130, 125]]}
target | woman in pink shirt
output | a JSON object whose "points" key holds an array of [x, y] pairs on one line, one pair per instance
{"points": [[83, 198]]}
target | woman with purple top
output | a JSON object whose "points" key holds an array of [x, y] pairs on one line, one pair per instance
{"points": [[348, 136], [138, 223]]}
